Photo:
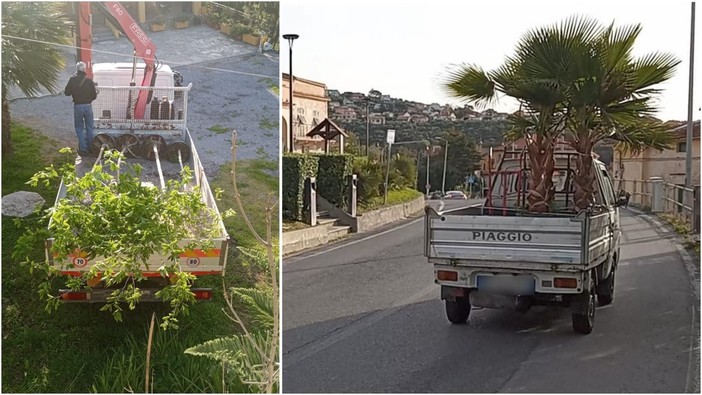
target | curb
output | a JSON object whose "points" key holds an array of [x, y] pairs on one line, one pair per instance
{"points": [[692, 266]]}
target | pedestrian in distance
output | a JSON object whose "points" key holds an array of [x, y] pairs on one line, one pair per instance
{"points": [[83, 91]]}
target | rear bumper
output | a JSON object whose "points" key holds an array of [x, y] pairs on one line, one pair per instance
{"points": [[544, 281]]}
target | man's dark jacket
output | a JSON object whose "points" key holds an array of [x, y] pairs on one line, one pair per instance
{"points": [[81, 88]]}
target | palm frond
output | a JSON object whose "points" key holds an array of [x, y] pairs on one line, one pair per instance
{"points": [[470, 83]]}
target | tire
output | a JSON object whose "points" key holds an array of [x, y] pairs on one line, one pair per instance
{"points": [[458, 311], [583, 322], [605, 291]]}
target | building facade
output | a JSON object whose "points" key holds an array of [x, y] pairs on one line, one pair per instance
{"points": [[668, 164], [310, 108]]}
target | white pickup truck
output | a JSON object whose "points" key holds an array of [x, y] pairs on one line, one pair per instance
{"points": [[147, 142], [501, 256]]}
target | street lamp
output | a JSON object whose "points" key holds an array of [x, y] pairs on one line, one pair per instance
{"points": [[443, 180], [372, 94], [291, 38]]}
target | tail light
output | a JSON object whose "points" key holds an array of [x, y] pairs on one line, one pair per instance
{"points": [[202, 294], [565, 282], [446, 275], [74, 296]]}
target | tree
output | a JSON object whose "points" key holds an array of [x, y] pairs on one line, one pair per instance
{"points": [[612, 97], [30, 65], [575, 79]]}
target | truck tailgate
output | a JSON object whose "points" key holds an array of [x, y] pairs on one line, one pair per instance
{"points": [[549, 240]]}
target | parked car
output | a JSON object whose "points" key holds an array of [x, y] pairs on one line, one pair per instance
{"points": [[436, 195], [455, 195]]}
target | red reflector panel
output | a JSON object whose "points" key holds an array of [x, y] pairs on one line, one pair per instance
{"points": [[565, 282], [202, 295], [75, 296], [445, 275]]}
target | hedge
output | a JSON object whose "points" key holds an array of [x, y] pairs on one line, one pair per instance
{"points": [[332, 178], [296, 169]]}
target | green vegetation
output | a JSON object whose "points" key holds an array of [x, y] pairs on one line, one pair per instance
{"points": [[398, 196], [682, 227], [218, 129], [31, 65], [267, 124], [79, 348]]}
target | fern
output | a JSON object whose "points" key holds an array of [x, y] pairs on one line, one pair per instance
{"points": [[259, 303]]}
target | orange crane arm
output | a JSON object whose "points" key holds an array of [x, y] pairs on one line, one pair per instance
{"points": [[143, 46]]}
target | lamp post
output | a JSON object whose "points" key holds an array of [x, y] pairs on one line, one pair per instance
{"points": [[291, 38], [443, 180]]}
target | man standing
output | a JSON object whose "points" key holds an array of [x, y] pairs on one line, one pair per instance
{"points": [[83, 91]]}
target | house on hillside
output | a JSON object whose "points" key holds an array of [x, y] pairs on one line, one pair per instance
{"points": [[404, 117], [385, 98], [377, 119], [668, 164], [345, 113], [419, 118]]}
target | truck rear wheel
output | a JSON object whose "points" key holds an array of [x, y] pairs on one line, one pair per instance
{"points": [[458, 311], [584, 318], [605, 289]]}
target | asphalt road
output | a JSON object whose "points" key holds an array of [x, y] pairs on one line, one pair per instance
{"points": [[365, 316]]}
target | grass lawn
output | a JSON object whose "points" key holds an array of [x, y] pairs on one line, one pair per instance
{"points": [[81, 349]]}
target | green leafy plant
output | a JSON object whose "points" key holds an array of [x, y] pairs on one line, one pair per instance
{"points": [[110, 219], [253, 357]]}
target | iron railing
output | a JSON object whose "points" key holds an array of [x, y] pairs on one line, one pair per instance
{"points": [[675, 199], [114, 108]]}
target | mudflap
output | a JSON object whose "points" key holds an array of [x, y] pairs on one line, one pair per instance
{"points": [[451, 293]]}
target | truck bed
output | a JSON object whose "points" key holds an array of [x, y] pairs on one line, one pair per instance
{"points": [[199, 262]]}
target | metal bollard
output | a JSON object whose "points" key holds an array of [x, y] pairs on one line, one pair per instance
{"points": [[311, 201], [696, 210], [353, 194], [657, 195]]}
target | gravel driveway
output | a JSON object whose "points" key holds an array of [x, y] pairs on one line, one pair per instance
{"points": [[224, 96]]}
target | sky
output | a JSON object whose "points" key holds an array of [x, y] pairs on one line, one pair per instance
{"points": [[404, 48]]}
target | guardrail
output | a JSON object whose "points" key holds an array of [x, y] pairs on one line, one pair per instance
{"points": [[663, 197]]}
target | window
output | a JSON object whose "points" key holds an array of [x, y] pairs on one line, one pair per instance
{"points": [[682, 147], [301, 111]]}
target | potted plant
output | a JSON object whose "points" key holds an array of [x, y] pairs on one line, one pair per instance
{"points": [[237, 30], [159, 23], [252, 37], [225, 25], [182, 21]]}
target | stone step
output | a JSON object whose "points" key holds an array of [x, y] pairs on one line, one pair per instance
{"points": [[326, 220], [322, 213], [336, 232]]}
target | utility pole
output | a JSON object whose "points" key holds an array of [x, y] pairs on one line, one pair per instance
{"points": [[688, 142]]}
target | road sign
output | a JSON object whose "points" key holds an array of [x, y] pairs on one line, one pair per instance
{"points": [[471, 179], [390, 138]]}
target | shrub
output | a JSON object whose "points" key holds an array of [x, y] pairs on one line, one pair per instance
{"points": [[370, 179], [296, 169], [332, 178]]}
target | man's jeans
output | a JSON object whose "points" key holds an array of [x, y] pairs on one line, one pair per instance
{"points": [[83, 117]]}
